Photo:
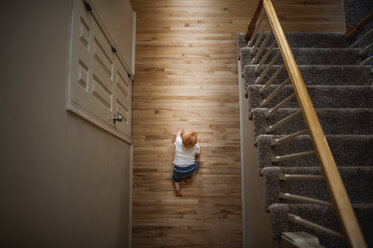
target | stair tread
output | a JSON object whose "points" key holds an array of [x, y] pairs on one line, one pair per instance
{"points": [[322, 215], [317, 74], [322, 96], [357, 179], [305, 56], [342, 93], [306, 39], [333, 120], [347, 150]]}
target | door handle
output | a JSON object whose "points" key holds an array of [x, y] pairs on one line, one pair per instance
{"points": [[117, 118]]}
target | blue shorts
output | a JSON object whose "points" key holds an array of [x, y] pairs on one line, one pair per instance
{"points": [[181, 173]]}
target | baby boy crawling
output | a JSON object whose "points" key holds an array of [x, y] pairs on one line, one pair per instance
{"points": [[186, 149]]}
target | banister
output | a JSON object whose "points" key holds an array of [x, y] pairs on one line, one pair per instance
{"points": [[367, 60], [261, 48], [362, 38], [275, 159], [286, 177], [335, 185], [253, 51], [251, 27], [356, 29], [277, 141], [310, 224], [294, 197], [264, 59], [273, 110]]}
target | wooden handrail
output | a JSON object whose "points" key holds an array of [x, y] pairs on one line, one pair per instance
{"points": [[356, 29], [336, 188], [251, 27]]}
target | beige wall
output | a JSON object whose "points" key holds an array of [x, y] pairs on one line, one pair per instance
{"points": [[256, 221], [63, 181]]}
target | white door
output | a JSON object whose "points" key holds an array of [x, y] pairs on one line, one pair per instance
{"points": [[100, 87]]}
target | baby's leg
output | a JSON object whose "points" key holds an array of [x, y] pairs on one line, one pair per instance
{"points": [[177, 189], [188, 179]]}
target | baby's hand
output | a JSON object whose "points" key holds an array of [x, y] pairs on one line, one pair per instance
{"points": [[179, 131]]}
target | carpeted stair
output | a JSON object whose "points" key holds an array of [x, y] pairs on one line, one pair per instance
{"points": [[318, 74], [342, 93], [357, 180], [323, 96], [311, 56], [325, 216], [333, 120], [359, 147]]}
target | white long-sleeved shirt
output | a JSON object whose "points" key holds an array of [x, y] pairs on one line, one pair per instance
{"points": [[184, 156]]}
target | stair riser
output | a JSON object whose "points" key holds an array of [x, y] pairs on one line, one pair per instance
{"points": [[321, 215], [240, 43], [322, 40], [352, 150], [316, 75], [357, 180], [333, 121], [321, 96], [309, 56]]}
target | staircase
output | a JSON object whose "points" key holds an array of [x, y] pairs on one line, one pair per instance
{"points": [[341, 91]]}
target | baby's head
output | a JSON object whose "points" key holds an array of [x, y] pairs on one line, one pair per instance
{"points": [[189, 138]]}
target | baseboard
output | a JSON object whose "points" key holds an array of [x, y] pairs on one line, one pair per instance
{"points": [[242, 138], [130, 197]]}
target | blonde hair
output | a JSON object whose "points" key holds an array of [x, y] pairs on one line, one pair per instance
{"points": [[189, 138]]}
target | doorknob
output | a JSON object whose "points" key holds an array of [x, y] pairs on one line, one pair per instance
{"points": [[117, 118]]}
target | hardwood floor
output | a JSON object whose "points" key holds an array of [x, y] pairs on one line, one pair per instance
{"points": [[186, 75]]}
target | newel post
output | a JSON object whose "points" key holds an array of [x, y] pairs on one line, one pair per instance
{"points": [[251, 27]]}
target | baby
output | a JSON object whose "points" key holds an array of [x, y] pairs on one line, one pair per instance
{"points": [[186, 149]]}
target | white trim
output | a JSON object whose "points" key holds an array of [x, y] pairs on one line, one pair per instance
{"points": [[70, 51], [133, 43], [130, 198], [243, 162]]}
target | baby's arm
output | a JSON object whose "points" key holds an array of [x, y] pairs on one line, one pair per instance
{"points": [[198, 152], [198, 155], [179, 131]]}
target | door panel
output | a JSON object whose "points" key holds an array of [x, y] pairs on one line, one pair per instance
{"points": [[99, 85]]}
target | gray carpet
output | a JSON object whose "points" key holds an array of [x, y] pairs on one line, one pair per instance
{"points": [[316, 39], [322, 40], [342, 93], [348, 150], [357, 180], [317, 74], [323, 96], [357, 10], [279, 212], [310, 56], [333, 120]]}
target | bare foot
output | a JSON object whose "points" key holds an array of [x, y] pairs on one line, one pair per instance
{"points": [[177, 189], [178, 193]]}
